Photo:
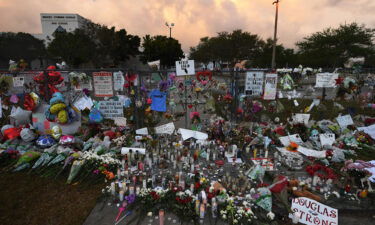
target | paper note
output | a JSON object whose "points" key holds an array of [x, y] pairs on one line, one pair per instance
{"points": [[165, 129], [312, 153], [291, 138], [344, 121], [142, 131], [186, 134], [327, 139]]}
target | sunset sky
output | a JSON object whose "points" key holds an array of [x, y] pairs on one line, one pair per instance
{"points": [[195, 18]]}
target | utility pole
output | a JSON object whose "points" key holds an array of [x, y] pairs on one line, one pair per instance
{"points": [[275, 34], [170, 26]]}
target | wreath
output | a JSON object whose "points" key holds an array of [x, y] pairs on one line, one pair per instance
{"points": [[314, 170]]}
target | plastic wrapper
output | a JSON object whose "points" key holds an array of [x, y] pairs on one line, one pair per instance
{"points": [[45, 141], [66, 140], [42, 158], [265, 199], [256, 173], [28, 157], [57, 159], [74, 170], [5, 127]]}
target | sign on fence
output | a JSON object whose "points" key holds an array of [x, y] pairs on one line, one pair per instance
{"points": [[111, 109], [312, 212], [165, 129], [185, 67], [325, 80], [18, 81], [254, 83], [270, 86], [118, 81], [103, 84]]}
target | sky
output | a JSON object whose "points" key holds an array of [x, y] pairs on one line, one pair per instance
{"points": [[195, 18]]}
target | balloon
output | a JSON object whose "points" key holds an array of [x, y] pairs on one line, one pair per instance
{"points": [[56, 132], [54, 109], [28, 135], [45, 141]]}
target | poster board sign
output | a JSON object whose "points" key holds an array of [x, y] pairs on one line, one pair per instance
{"points": [[326, 80], [301, 118], [185, 67], [311, 152], [142, 131], [270, 87], [327, 139], [118, 81], [120, 121], [165, 129], [254, 83], [186, 134], [291, 138], [126, 150], [111, 109], [103, 84], [344, 121], [18, 81], [312, 212]]}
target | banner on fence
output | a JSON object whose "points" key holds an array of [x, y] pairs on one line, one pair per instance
{"points": [[270, 87], [185, 67], [254, 83], [325, 80], [111, 109], [312, 212], [103, 84]]}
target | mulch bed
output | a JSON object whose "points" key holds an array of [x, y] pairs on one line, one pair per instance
{"points": [[33, 200]]}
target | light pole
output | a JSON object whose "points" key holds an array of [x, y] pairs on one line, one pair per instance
{"points": [[170, 26], [275, 34]]}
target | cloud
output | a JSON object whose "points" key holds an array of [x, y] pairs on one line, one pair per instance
{"points": [[194, 18]]}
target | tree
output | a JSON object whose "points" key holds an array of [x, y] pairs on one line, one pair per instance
{"points": [[94, 43], [227, 47], [18, 46], [167, 50], [73, 47], [285, 57], [333, 47]]}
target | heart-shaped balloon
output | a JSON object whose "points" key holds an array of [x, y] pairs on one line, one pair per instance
{"points": [[204, 76]]}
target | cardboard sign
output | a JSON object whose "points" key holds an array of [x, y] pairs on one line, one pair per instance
{"points": [[185, 67], [326, 80], [111, 109], [18, 81], [270, 87], [327, 139], [312, 153], [165, 129], [312, 212], [126, 150], [118, 81], [291, 138], [142, 131], [254, 83], [344, 121], [301, 118], [103, 84], [186, 134]]}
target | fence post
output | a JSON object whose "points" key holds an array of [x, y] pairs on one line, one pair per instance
{"points": [[186, 103]]}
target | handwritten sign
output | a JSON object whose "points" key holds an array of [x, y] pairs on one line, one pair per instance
{"points": [[18, 81], [301, 118], [326, 80], [270, 87], [291, 138], [254, 83], [312, 212], [142, 131], [327, 139], [118, 81], [111, 109], [344, 121], [185, 67], [165, 129], [103, 84]]}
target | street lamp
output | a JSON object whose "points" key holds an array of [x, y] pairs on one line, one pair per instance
{"points": [[275, 34], [170, 26]]}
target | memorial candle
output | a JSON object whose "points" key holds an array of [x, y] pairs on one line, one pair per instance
{"points": [[113, 188], [266, 154], [161, 217], [121, 195], [131, 190]]}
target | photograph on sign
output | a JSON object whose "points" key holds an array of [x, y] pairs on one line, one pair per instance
{"points": [[254, 83], [185, 67], [103, 84], [270, 87]]}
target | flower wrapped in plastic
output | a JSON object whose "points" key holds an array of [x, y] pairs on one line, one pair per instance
{"points": [[74, 170], [28, 157]]}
